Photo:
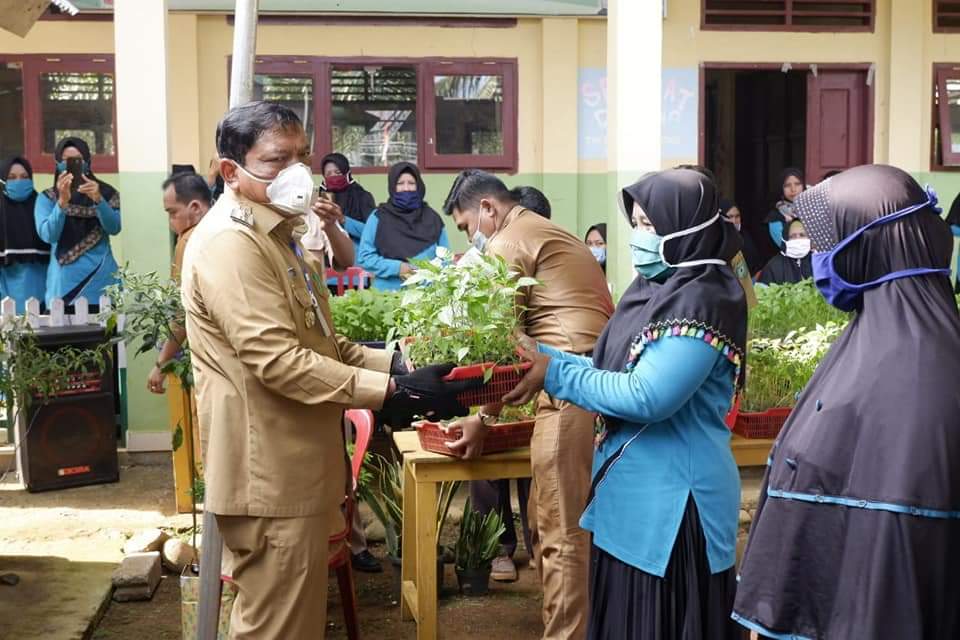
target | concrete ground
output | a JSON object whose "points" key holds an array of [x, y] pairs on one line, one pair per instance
{"points": [[64, 546]]}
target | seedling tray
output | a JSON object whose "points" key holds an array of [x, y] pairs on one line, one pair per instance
{"points": [[501, 382], [765, 425], [500, 437]]}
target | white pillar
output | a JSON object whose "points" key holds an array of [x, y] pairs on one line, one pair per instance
{"points": [[140, 46], [634, 67]]}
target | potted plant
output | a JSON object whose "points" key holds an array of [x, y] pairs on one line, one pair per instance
{"points": [[477, 546], [384, 495], [467, 313]]}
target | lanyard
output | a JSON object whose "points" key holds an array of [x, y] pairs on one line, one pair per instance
{"points": [[306, 278]]}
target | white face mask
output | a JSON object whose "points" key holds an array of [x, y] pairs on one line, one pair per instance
{"points": [[291, 191], [797, 248], [687, 232], [479, 238]]}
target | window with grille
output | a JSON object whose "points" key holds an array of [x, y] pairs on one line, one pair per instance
{"points": [[51, 97], [789, 15], [441, 114], [946, 15]]}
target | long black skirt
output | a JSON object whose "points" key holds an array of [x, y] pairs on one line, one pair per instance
{"points": [[687, 603]]}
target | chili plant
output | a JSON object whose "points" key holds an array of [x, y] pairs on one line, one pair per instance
{"points": [[463, 313]]}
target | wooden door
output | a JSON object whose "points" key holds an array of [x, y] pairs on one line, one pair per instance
{"points": [[839, 122]]}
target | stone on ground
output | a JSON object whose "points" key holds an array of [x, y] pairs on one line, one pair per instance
{"points": [[137, 577], [177, 555], [144, 541]]}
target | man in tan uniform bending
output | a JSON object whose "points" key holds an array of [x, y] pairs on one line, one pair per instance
{"points": [[567, 311], [273, 378]]}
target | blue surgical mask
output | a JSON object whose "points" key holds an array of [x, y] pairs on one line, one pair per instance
{"points": [[646, 255], [62, 166], [600, 253], [19, 190], [847, 296], [407, 200]]}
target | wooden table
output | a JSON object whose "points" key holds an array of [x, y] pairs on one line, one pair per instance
{"points": [[423, 470]]}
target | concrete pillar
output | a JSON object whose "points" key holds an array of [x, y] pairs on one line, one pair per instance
{"points": [[634, 55], [909, 85], [140, 45], [560, 54]]}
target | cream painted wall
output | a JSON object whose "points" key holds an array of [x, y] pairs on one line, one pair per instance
{"points": [[184, 89], [61, 36]]}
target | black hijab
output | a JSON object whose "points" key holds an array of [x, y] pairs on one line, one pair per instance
{"points": [[19, 242], [82, 229], [750, 252], [706, 301], [402, 235], [776, 215], [879, 419], [356, 202]]}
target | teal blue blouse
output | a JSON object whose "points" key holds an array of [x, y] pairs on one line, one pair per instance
{"points": [[95, 269], [673, 444]]}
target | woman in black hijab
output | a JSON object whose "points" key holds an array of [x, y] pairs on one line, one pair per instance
{"points": [[77, 220], [953, 219], [794, 263], [596, 239], [791, 185], [402, 229], [665, 498], [731, 213], [857, 532], [24, 255], [356, 202]]}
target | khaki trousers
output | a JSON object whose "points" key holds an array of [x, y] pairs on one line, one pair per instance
{"points": [[279, 567], [561, 455]]}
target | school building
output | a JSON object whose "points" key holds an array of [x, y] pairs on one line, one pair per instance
{"points": [[575, 97]]}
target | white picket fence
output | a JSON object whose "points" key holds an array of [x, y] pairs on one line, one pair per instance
{"points": [[57, 316]]}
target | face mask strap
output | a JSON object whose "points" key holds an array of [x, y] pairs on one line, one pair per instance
{"points": [[687, 232], [932, 202]]}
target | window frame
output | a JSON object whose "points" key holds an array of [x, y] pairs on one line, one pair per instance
{"points": [[789, 27], [427, 160], [935, 13], [32, 66], [948, 159], [505, 160]]}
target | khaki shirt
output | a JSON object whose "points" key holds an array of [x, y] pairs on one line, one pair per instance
{"points": [[272, 380], [178, 251], [572, 305]]}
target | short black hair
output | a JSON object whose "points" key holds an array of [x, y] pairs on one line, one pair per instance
{"points": [[533, 199], [473, 184], [188, 187], [240, 129]]}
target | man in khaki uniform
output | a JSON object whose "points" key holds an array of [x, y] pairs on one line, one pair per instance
{"points": [[273, 379], [567, 311]]}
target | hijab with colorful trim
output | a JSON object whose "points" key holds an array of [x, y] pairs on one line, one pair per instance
{"points": [[82, 229], [705, 302]]}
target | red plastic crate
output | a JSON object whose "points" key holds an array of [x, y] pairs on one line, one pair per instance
{"points": [[500, 437], [765, 425], [502, 382]]}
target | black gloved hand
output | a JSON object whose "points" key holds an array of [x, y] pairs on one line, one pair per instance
{"points": [[397, 366], [424, 392]]}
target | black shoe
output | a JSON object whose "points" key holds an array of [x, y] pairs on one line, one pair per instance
{"points": [[364, 561]]}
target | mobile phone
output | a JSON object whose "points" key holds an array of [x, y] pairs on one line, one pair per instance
{"points": [[326, 195], [75, 167]]}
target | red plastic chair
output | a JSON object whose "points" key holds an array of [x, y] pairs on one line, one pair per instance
{"points": [[340, 562], [352, 278]]}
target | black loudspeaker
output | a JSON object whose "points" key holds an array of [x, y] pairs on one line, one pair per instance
{"points": [[70, 439]]}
